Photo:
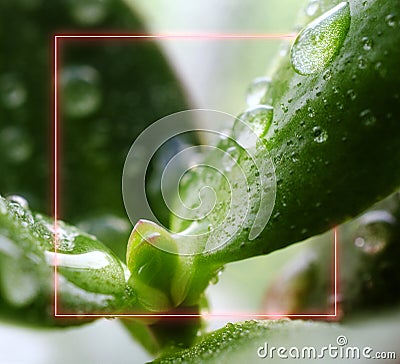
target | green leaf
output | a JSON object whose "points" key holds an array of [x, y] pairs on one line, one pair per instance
{"points": [[303, 341], [240, 342], [90, 278], [330, 132]]}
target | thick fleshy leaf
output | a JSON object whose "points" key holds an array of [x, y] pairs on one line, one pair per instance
{"points": [[90, 278], [301, 341]]}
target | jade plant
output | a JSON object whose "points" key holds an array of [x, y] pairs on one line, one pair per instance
{"points": [[324, 148]]}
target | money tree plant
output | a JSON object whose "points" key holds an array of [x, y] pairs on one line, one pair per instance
{"points": [[326, 148]]}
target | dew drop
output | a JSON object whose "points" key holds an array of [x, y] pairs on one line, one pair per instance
{"points": [[12, 91], [380, 69], [215, 279], [375, 231], [318, 43], [257, 90], [339, 105], [230, 158], [295, 157], [320, 135], [311, 112], [258, 118], [327, 75], [89, 12], [367, 117], [362, 63], [19, 200], [81, 92], [367, 43], [352, 94], [391, 20]]}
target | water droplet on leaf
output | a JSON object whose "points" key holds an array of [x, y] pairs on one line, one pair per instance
{"points": [[367, 43], [391, 20], [19, 200], [327, 75], [367, 117], [320, 135], [230, 158], [257, 90], [375, 231], [258, 118], [295, 157], [380, 69], [362, 64], [352, 94], [319, 42]]}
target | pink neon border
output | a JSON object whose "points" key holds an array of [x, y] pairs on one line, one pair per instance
{"points": [[192, 36]]}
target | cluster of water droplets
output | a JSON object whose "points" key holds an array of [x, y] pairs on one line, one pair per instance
{"points": [[19, 283], [257, 91], [227, 175]]}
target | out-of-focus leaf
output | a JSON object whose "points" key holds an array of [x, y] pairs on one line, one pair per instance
{"points": [[90, 278], [109, 91], [368, 275]]}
